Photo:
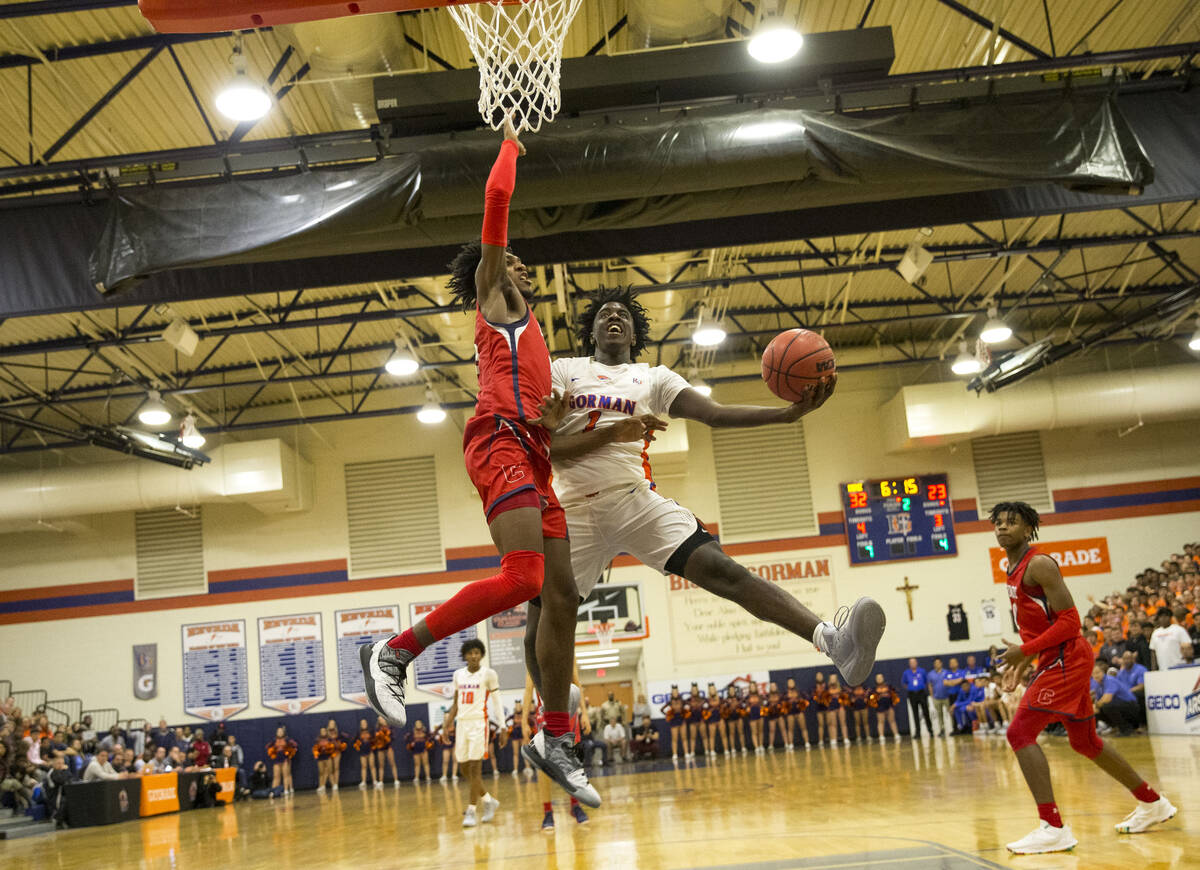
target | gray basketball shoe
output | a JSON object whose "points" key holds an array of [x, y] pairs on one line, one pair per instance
{"points": [[384, 676], [852, 638], [555, 757]]}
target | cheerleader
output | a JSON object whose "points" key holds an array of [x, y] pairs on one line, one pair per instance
{"points": [[322, 751], [676, 714], [281, 751], [793, 706], [420, 744], [339, 741], [754, 710], [381, 742], [820, 703], [858, 706], [773, 710], [884, 698], [835, 714], [516, 735], [731, 720], [445, 738], [366, 755], [713, 722], [695, 717]]}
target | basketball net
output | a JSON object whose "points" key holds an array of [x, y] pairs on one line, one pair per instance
{"points": [[604, 635], [518, 46]]}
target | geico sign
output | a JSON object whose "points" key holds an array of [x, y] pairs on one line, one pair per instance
{"points": [[1163, 702], [1082, 556]]}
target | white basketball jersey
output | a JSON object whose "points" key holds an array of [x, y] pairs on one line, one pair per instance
{"points": [[601, 395], [472, 692]]}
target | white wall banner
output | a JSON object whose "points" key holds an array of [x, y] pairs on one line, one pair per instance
{"points": [[145, 671], [433, 670], [291, 659], [1173, 700], [705, 628], [216, 680], [355, 628]]}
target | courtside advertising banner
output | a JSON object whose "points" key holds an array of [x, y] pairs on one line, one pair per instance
{"points": [[227, 779], [216, 680], [434, 669], [1074, 558], [1173, 701], [355, 628], [160, 793], [506, 646], [145, 671], [291, 659]]}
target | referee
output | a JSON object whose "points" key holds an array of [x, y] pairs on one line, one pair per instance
{"points": [[917, 686]]}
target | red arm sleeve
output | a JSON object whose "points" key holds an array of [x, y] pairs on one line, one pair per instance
{"points": [[1065, 627], [500, 186]]}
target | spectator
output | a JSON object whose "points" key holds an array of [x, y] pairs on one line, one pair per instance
{"points": [[226, 759], [964, 707], [916, 683], [19, 782], [260, 783], [176, 760], [1139, 641], [616, 740], [207, 791], [645, 738], [1169, 644], [54, 791], [235, 748], [158, 763], [612, 710], [936, 679], [1114, 704], [641, 709], [203, 749], [162, 735], [1114, 645], [593, 715], [112, 739], [219, 738], [100, 768], [142, 765], [1133, 677]]}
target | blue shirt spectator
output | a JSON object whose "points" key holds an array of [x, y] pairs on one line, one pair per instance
{"points": [[1112, 686], [1131, 674], [973, 670], [936, 680], [914, 680], [954, 679]]}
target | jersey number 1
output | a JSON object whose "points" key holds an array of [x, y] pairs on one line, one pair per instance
{"points": [[593, 417]]}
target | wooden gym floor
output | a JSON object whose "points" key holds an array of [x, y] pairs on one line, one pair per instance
{"points": [[949, 804]]}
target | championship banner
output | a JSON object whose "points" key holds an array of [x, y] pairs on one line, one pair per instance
{"points": [[1173, 701], [434, 669], [1082, 556], [216, 682], [356, 628], [145, 671], [227, 779], [705, 628], [506, 646], [291, 661], [160, 794]]}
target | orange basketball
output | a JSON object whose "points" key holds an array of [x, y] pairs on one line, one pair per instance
{"points": [[794, 360]]}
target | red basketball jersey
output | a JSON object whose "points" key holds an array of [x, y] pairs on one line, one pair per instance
{"points": [[1030, 610], [514, 370]]}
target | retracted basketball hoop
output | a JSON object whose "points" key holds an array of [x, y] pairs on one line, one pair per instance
{"points": [[604, 634]]}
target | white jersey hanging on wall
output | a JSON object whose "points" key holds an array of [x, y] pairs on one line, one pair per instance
{"points": [[992, 624]]}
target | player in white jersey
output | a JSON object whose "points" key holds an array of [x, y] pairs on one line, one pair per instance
{"points": [[603, 478], [472, 708]]}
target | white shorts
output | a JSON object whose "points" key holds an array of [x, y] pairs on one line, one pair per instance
{"points": [[470, 740], [639, 522]]}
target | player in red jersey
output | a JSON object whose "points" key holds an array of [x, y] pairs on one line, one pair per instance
{"points": [[507, 450], [1060, 690]]}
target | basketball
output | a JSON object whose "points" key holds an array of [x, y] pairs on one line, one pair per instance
{"points": [[795, 359]]}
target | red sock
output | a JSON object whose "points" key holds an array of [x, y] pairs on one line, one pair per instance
{"points": [[557, 724], [1145, 794], [574, 802], [1048, 813], [520, 579], [408, 641], [546, 807]]}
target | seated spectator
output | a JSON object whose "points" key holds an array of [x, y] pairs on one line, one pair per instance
{"points": [[162, 735], [1114, 704], [645, 739], [100, 768], [226, 759], [219, 738], [1114, 645], [616, 740], [239, 758], [1170, 644], [1133, 677], [112, 739], [176, 760], [19, 782], [142, 764], [87, 734], [964, 708], [202, 749], [53, 791], [641, 710], [1139, 641], [260, 783]]}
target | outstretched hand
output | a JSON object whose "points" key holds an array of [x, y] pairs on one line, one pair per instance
{"points": [[1013, 658], [814, 397], [510, 134], [552, 410], [639, 428]]}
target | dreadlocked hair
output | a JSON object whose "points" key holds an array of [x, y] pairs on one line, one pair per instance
{"points": [[1026, 512], [462, 273], [625, 295]]}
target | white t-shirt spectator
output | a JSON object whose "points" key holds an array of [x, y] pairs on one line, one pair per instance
{"points": [[1168, 644], [96, 770], [613, 732]]}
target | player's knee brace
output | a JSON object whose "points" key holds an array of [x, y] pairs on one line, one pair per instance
{"points": [[1022, 732], [1084, 739], [521, 572]]}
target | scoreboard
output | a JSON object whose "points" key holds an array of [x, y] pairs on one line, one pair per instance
{"points": [[898, 518]]}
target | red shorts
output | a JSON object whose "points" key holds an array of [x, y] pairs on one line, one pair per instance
{"points": [[1061, 686], [511, 470]]}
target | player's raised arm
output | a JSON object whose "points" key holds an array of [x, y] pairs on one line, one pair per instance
{"points": [[497, 295], [692, 405]]}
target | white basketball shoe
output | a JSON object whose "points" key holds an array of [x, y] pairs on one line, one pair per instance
{"points": [[1146, 816], [1044, 838]]}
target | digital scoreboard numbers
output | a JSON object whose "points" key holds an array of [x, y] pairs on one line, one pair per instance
{"points": [[898, 518]]}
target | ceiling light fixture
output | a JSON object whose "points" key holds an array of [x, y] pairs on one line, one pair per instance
{"points": [[701, 386], [431, 412], [776, 38], [241, 99], [189, 435], [402, 362], [153, 412], [709, 331], [995, 330], [964, 363]]}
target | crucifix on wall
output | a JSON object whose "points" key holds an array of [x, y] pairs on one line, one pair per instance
{"points": [[908, 590]]}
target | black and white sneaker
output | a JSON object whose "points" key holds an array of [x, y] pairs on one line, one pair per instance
{"points": [[384, 676], [852, 638], [555, 757]]}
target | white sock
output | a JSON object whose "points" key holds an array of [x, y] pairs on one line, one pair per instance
{"points": [[470, 808], [486, 797], [817, 635]]}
